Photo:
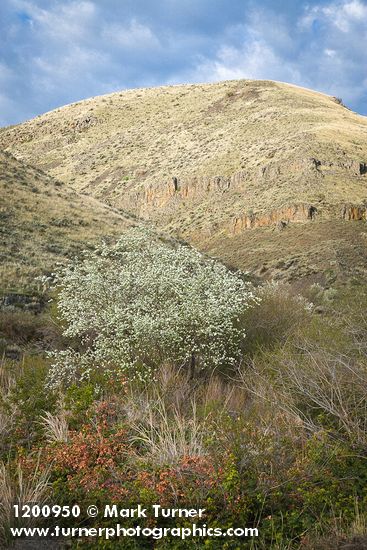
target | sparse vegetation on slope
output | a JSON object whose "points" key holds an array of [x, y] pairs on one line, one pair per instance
{"points": [[43, 222], [208, 161]]}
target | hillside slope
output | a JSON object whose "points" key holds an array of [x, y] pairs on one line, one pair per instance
{"points": [[221, 165], [43, 222]]}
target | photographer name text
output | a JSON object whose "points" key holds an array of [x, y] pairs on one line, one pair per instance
{"points": [[157, 511]]}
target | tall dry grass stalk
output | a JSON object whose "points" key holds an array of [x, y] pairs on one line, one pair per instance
{"points": [[6, 417], [359, 524], [16, 488], [225, 395], [168, 437], [171, 385], [164, 418], [56, 427], [175, 385]]}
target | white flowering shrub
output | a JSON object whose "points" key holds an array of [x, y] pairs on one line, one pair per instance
{"points": [[140, 301]]}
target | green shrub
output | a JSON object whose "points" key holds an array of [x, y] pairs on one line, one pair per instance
{"points": [[27, 399], [275, 318]]}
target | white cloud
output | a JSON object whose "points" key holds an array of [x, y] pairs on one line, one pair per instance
{"points": [[59, 51], [328, 59], [64, 21], [132, 35], [77, 50], [255, 60], [330, 53], [50, 72], [342, 15], [355, 10]]}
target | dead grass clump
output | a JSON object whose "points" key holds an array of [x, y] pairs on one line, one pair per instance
{"points": [[168, 436], [275, 318], [317, 387], [21, 327], [174, 415], [174, 385], [8, 410], [223, 396], [55, 426], [17, 487]]}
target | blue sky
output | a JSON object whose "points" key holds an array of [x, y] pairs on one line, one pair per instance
{"points": [[54, 52]]}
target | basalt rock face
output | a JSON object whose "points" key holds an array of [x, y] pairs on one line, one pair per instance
{"points": [[169, 200], [354, 212], [166, 201], [296, 213], [315, 167], [299, 213], [193, 188]]}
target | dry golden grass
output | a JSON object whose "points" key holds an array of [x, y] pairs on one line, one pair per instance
{"points": [[276, 145], [18, 488], [316, 252], [43, 222], [122, 144], [55, 426]]}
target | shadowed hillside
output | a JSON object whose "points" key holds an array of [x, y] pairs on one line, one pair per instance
{"points": [[43, 222]]}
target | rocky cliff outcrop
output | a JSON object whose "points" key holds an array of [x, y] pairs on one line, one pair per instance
{"points": [[188, 188], [354, 212], [292, 213], [298, 213], [304, 172]]}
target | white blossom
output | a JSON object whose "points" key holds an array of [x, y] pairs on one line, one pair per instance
{"points": [[141, 301]]}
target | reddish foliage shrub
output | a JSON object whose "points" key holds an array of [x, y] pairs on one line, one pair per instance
{"points": [[95, 457], [190, 481]]}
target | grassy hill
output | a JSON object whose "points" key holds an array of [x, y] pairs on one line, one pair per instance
{"points": [[43, 222], [235, 168]]}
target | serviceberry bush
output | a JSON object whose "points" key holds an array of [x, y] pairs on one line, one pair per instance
{"points": [[142, 301]]}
